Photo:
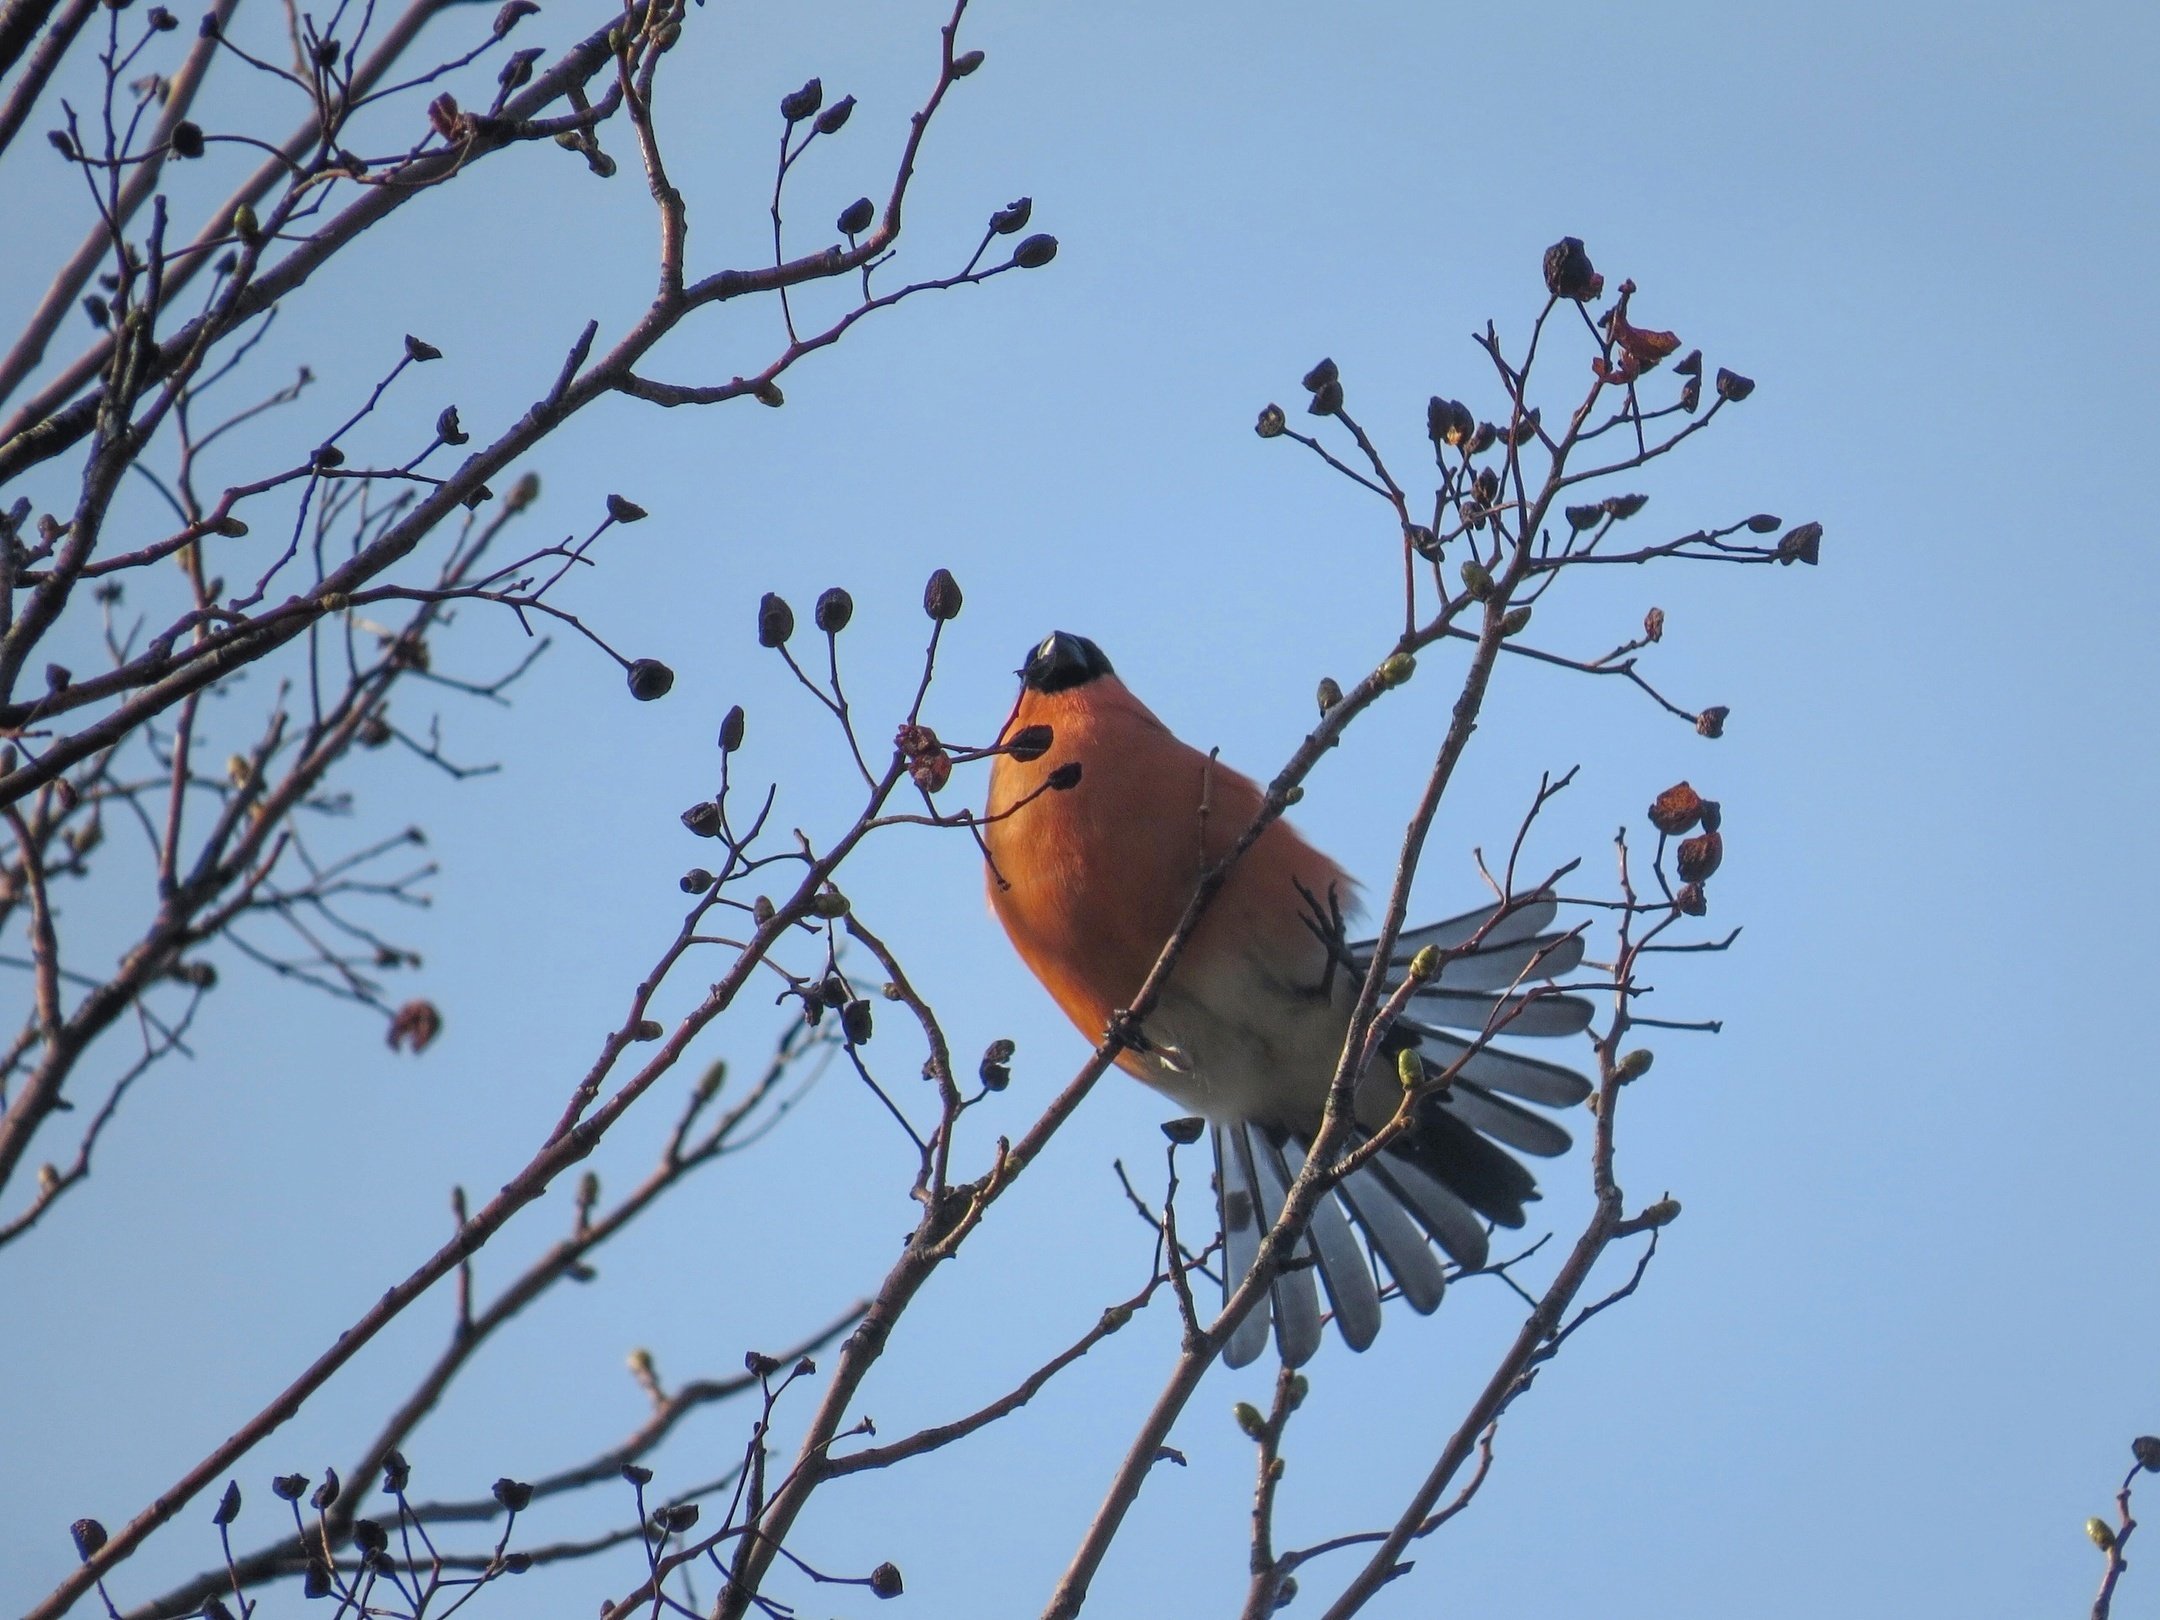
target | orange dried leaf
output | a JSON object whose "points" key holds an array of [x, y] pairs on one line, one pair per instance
{"points": [[414, 1025], [1676, 810], [1700, 855]]}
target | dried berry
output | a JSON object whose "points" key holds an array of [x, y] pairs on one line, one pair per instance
{"points": [[855, 218], [1184, 1132], [1012, 217], [835, 117], [1731, 385], [624, 511], [650, 679], [1676, 810], [1700, 857], [703, 819], [1569, 272], [941, 596], [513, 1494], [1803, 544], [855, 1022], [1711, 722], [775, 621], [885, 1581], [1320, 376], [1030, 743], [1035, 251], [797, 105], [834, 608], [1272, 423]]}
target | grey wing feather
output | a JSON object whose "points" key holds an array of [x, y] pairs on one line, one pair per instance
{"points": [[1404, 1248], [1530, 918], [1504, 1121], [1296, 1295], [1504, 1015], [1499, 968], [1531, 1079]]}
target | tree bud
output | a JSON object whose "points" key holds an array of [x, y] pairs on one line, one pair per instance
{"points": [[1634, 1065], [1319, 377], [1762, 523], [1065, 778], [1425, 964], [775, 621], [1329, 694], [885, 1581], [1409, 1068], [834, 608], [1249, 1419], [1035, 251], [829, 903], [1184, 1132], [1515, 621], [1398, 669], [855, 218], [703, 819], [1012, 217], [1569, 273], [1476, 579], [965, 63], [835, 117], [624, 511], [2102, 1536], [731, 730], [1272, 422], [797, 105], [1731, 385]]}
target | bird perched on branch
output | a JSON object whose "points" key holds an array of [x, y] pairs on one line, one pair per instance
{"points": [[1092, 881]]}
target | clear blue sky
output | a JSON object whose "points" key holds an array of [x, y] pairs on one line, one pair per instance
{"points": [[1892, 1353]]}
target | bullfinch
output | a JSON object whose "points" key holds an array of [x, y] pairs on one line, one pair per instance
{"points": [[1090, 884]]}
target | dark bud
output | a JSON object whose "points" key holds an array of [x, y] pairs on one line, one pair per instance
{"points": [[941, 597], [831, 121], [1713, 815], [1184, 1132], [1423, 541], [1330, 693], [834, 608], [316, 1583], [97, 309], [369, 1536], [1803, 544], [326, 52], [775, 621], [649, 679], [855, 1022], [885, 1580], [1449, 421], [1012, 217], [326, 1494], [1653, 625], [396, 1473], [215, 1609], [1731, 385], [228, 1508], [514, 1494], [833, 991], [1689, 364], [517, 69], [187, 139], [2146, 1449], [1483, 440], [62, 142], [647, 1029], [1271, 424], [1030, 743], [768, 395], [1585, 517], [1676, 810], [1327, 399], [1569, 272], [703, 819], [1486, 487], [420, 350], [695, 881], [1035, 251], [965, 63], [57, 677], [1691, 900], [327, 456], [89, 1538], [1625, 506], [513, 13], [1700, 857], [1526, 429], [1762, 523], [760, 1365], [731, 730], [637, 1474], [1065, 777], [162, 20], [208, 27], [855, 218], [761, 910], [805, 1367], [1320, 376], [447, 428], [289, 1487], [800, 104], [993, 1071], [1691, 395], [1711, 722], [516, 1563], [675, 1520], [623, 511]]}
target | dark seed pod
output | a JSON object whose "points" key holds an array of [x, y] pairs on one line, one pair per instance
{"points": [[1676, 810], [1762, 523], [369, 1536], [1585, 517], [1713, 815], [637, 1474], [1731, 385], [419, 350], [187, 139], [1320, 376], [228, 1508], [447, 427], [1184, 1132], [775, 621], [834, 608], [1484, 439], [1691, 900], [1423, 541], [941, 597], [1689, 364], [513, 1494], [1700, 857], [2146, 1449], [289, 1487], [731, 730], [316, 1582], [1711, 722], [831, 121], [797, 105], [650, 679], [1803, 545], [326, 1494], [1271, 423], [1030, 743], [1625, 506], [855, 218], [1065, 777], [396, 1473], [89, 1538], [624, 511], [703, 819], [1327, 399], [1013, 216], [1691, 395], [885, 1581], [695, 881], [62, 142], [1526, 428], [1569, 272], [1035, 251], [855, 1022]]}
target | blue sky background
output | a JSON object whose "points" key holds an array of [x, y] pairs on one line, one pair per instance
{"points": [[1891, 1355]]}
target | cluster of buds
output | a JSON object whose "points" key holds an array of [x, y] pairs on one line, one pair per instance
{"points": [[1676, 812]]}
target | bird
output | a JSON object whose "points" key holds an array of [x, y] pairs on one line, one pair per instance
{"points": [[1090, 872]]}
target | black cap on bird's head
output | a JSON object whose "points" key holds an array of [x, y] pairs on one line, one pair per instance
{"points": [[1062, 660]]}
